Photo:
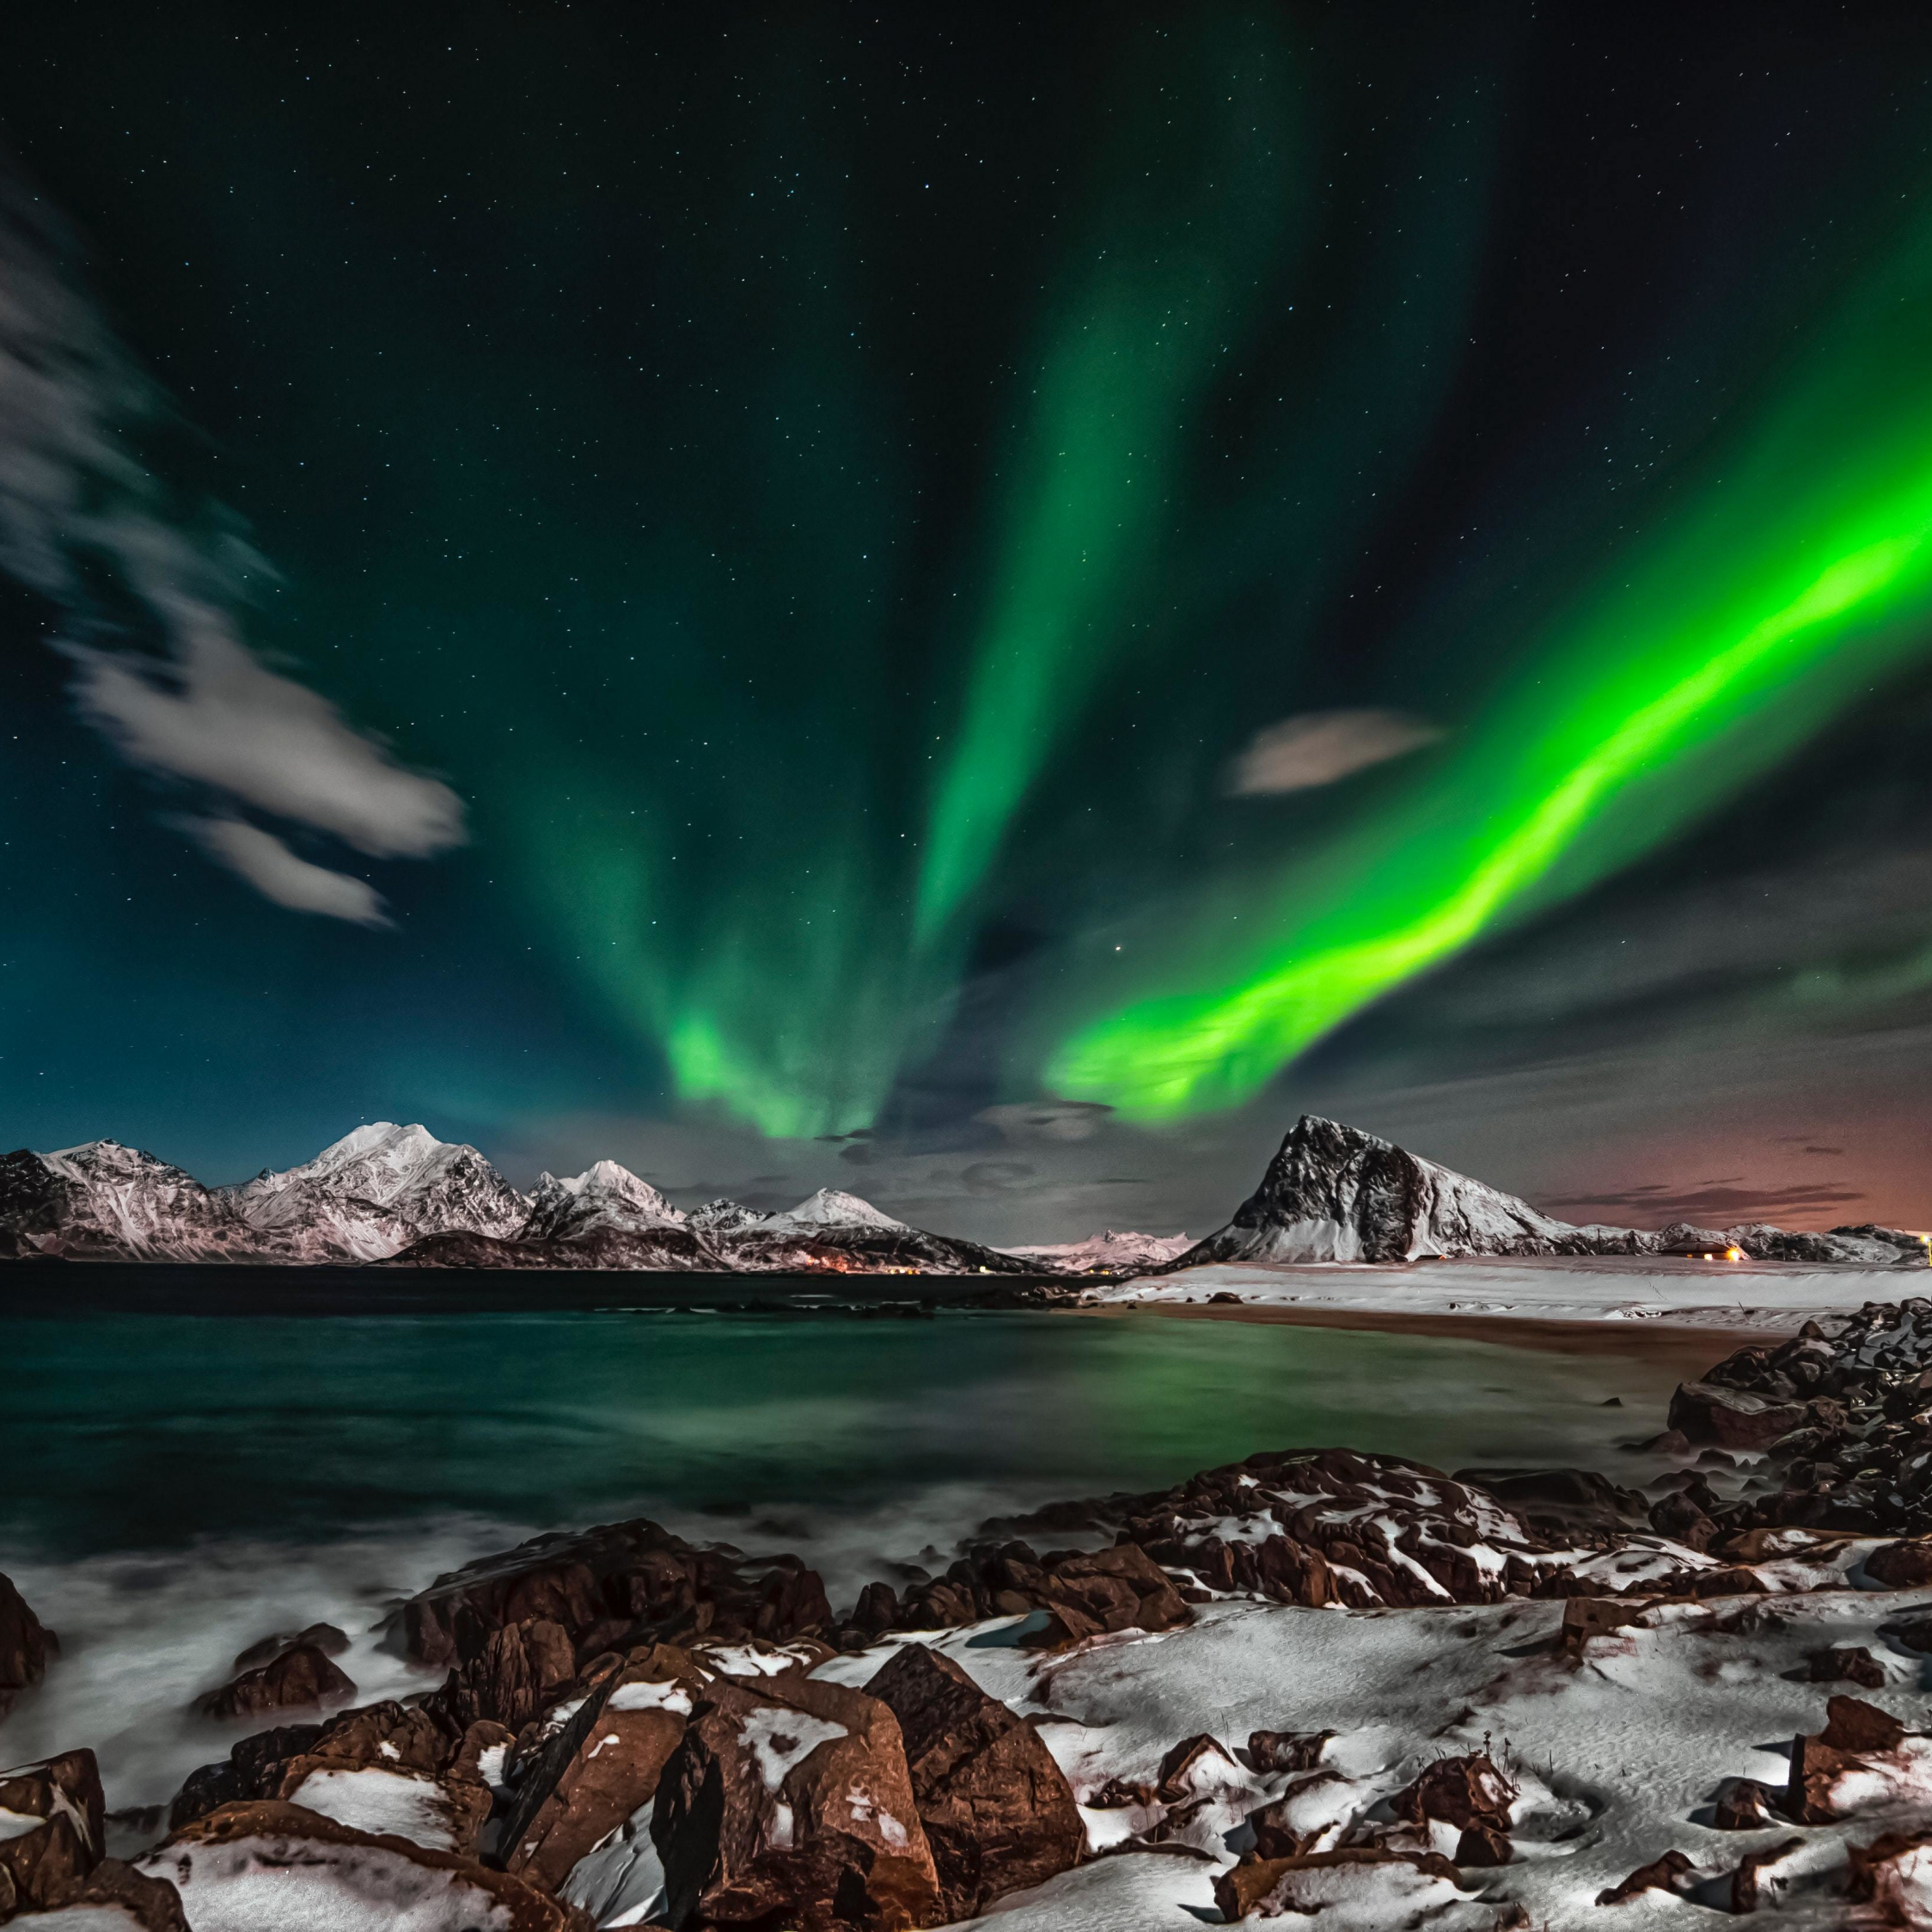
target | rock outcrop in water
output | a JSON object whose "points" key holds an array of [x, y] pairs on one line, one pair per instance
{"points": [[1335, 1194]]}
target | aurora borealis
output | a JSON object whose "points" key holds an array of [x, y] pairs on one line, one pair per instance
{"points": [[598, 575]]}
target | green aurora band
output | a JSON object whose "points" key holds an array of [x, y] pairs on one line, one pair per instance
{"points": [[1706, 651]]}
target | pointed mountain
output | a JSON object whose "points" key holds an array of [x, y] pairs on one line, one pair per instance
{"points": [[1333, 1193], [830, 1207], [370, 1193], [107, 1199], [603, 1197]]}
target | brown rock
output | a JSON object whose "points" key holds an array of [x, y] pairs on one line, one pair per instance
{"points": [[1757, 1881], [1679, 1517], [1708, 1412], [600, 1767], [252, 1769], [1914, 1633], [1180, 1775], [519, 1673], [1483, 1845], [1668, 1873], [1854, 1664], [1110, 1590], [1287, 1750], [1584, 1618], [138, 1903], [1469, 1793], [299, 1679], [243, 1845], [324, 1637], [26, 1645], [791, 1804], [1851, 1724], [1886, 1874], [997, 1810], [1255, 1883], [37, 1866], [1903, 1565], [1744, 1805], [635, 1578], [1277, 1834]]}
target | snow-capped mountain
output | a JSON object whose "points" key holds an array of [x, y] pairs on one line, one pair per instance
{"points": [[604, 1196], [105, 1199], [370, 1193], [830, 1207], [1118, 1252], [1333, 1193]]}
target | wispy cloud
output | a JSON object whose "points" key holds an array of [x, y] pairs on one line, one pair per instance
{"points": [[281, 875], [1320, 747], [187, 701]]}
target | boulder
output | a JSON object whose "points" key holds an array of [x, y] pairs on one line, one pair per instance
{"points": [[601, 1767], [26, 1645], [1672, 1873], [247, 1868], [998, 1812], [303, 1679], [1744, 1805], [1411, 1882], [252, 1769], [1852, 1664], [39, 1863], [1903, 1565], [1469, 1792], [1287, 1750], [112, 1897], [790, 1804], [1709, 1412], [1759, 1880], [324, 1637], [616, 1587], [1854, 1733]]}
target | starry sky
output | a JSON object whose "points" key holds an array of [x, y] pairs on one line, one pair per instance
{"points": [[981, 605]]}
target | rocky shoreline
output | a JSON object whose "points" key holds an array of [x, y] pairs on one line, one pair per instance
{"points": [[1316, 1681]]}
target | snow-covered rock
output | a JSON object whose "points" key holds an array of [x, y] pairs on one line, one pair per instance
{"points": [[603, 1197]]}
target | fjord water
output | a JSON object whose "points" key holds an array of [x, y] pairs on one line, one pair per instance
{"points": [[181, 1485]]}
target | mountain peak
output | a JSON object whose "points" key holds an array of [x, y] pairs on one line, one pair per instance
{"points": [[833, 1208]]}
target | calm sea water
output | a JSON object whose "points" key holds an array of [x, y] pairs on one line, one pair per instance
{"points": [[179, 1484]]}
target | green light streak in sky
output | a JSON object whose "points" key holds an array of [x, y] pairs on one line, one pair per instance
{"points": [[1806, 576], [1136, 340]]}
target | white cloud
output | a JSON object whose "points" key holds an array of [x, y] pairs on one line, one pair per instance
{"points": [[1319, 747], [278, 874], [202, 708], [216, 715]]}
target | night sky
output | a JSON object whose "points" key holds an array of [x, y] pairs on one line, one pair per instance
{"points": [[981, 606]]}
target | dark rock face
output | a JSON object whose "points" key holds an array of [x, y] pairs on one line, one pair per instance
{"points": [[1731, 1418], [1469, 1793], [660, 1249], [603, 1765], [519, 1671], [302, 1678], [252, 1769], [26, 1645], [40, 1866], [105, 1199], [790, 1804], [998, 1812], [612, 1587]]}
